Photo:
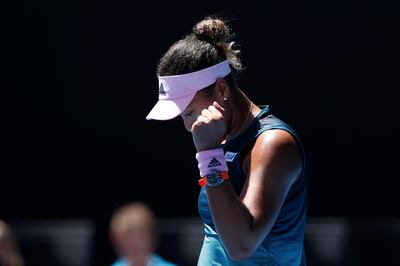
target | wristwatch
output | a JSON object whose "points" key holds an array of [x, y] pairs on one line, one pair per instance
{"points": [[214, 178]]}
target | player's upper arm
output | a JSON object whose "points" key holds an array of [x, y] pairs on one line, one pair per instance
{"points": [[275, 163]]}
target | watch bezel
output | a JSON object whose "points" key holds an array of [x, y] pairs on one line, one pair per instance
{"points": [[214, 178]]}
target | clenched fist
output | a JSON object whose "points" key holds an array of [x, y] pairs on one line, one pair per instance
{"points": [[209, 130]]}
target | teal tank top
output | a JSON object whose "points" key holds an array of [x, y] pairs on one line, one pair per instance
{"points": [[284, 243]]}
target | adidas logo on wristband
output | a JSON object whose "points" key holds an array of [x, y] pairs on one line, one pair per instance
{"points": [[214, 163]]}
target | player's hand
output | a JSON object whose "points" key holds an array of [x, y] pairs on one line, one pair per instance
{"points": [[209, 130]]}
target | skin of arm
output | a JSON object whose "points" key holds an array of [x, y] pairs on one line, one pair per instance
{"points": [[271, 166], [242, 222]]}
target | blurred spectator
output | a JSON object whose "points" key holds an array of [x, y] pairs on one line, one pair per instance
{"points": [[9, 253], [133, 235]]}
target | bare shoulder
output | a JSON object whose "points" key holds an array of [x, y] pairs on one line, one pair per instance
{"points": [[277, 151], [275, 138]]}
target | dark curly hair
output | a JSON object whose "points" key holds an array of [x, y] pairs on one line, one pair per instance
{"points": [[209, 44]]}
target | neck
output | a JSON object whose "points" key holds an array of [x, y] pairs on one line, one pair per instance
{"points": [[141, 261], [242, 115]]}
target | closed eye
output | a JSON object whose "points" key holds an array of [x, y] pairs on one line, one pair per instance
{"points": [[188, 113]]}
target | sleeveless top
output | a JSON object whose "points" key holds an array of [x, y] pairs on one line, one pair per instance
{"points": [[284, 243]]}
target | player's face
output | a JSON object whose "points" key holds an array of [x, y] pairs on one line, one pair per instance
{"points": [[201, 100]]}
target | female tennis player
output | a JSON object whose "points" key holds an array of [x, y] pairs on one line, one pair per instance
{"points": [[253, 187]]}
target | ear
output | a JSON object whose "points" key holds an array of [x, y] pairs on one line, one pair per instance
{"points": [[222, 89]]}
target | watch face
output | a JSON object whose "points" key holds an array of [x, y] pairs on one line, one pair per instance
{"points": [[214, 178]]}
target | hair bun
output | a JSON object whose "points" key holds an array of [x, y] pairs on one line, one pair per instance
{"points": [[212, 30]]}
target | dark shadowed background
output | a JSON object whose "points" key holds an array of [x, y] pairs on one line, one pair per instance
{"points": [[79, 78]]}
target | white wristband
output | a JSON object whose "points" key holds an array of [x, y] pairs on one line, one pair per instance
{"points": [[213, 159]]}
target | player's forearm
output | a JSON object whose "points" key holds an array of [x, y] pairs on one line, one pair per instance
{"points": [[234, 223]]}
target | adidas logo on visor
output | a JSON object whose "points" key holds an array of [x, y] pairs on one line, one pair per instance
{"points": [[161, 90], [213, 163]]}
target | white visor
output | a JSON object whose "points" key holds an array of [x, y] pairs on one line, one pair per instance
{"points": [[176, 92]]}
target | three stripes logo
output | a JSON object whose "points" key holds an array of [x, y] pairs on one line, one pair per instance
{"points": [[161, 90], [213, 163]]}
